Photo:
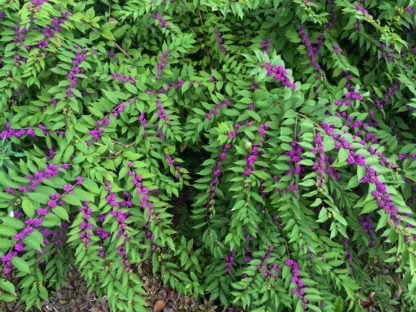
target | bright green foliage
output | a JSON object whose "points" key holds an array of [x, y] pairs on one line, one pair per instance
{"points": [[229, 148]]}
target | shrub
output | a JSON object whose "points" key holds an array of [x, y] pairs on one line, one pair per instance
{"points": [[260, 154]]}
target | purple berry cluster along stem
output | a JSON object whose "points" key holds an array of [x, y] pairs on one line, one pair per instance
{"points": [[229, 261], [161, 22], [268, 270], [171, 164], [251, 159], [233, 134], [347, 250], [368, 228], [163, 59], [102, 234], [51, 30], [220, 41], [143, 120], [217, 172], [299, 288], [321, 162], [391, 93], [10, 132], [86, 225], [265, 45], [311, 50], [79, 58], [31, 224], [215, 110], [380, 194], [123, 232], [38, 178], [174, 85], [101, 124], [123, 78], [279, 73], [143, 193], [294, 161], [359, 8]]}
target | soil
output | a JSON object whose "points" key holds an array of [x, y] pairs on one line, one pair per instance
{"points": [[74, 297]]}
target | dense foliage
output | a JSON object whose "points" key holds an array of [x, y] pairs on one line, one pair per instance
{"points": [[257, 153]]}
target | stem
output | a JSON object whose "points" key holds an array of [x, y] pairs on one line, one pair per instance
{"points": [[115, 43]]}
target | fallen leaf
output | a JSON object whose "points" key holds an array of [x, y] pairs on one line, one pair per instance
{"points": [[159, 306]]}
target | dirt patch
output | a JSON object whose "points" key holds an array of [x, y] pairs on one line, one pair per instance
{"points": [[73, 296]]}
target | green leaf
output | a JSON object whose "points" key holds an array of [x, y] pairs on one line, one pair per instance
{"points": [[6, 243], [369, 207], [61, 213], [316, 203], [6, 182], [21, 265], [14, 223], [323, 215], [7, 298], [28, 207], [91, 186], [339, 305], [7, 287], [38, 197], [6, 231], [111, 96], [343, 154], [34, 240], [131, 88], [106, 31], [352, 183], [254, 115], [72, 200], [131, 155], [334, 120], [308, 182], [51, 220], [261, 174]]}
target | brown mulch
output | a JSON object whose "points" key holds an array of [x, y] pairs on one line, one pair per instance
{"points": [[74, 297]]}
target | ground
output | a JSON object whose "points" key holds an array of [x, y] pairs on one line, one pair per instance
{"points": [[73, 297]]}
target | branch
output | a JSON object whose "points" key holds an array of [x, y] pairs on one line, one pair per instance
{"points": [[115, 43]]}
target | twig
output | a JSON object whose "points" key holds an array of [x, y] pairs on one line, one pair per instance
{"points": [[115, 43], [125, 146]]}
